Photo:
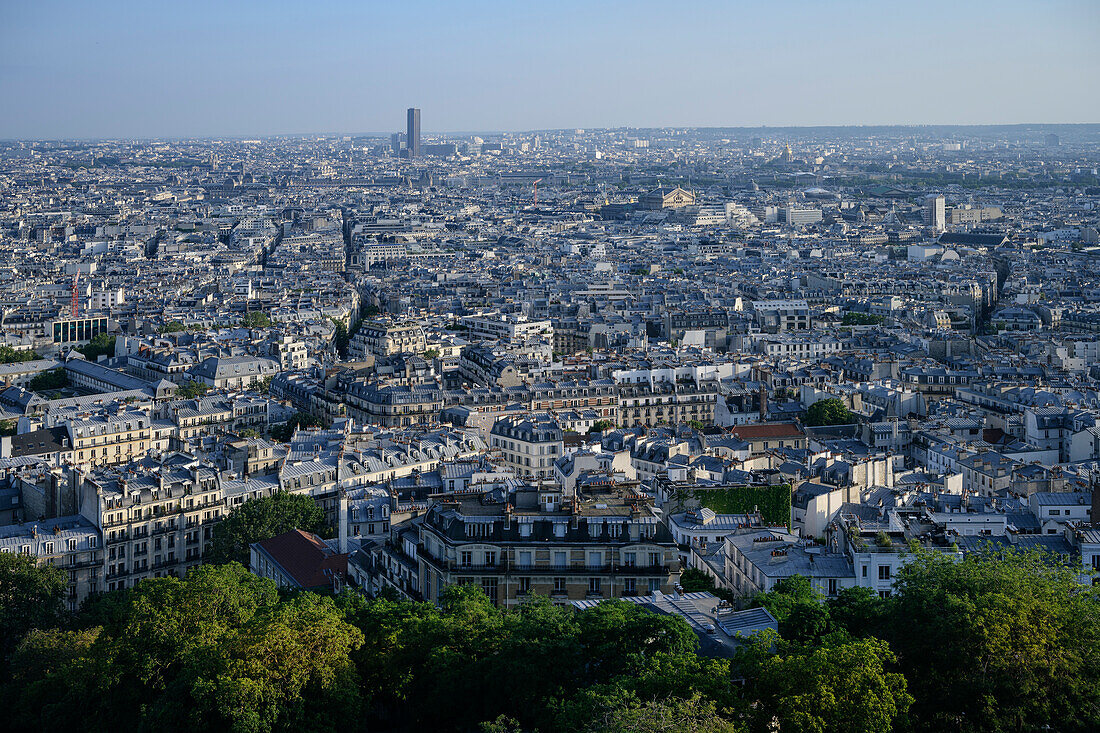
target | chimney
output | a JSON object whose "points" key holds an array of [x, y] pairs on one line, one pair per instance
{"points": [[1094, 516]]}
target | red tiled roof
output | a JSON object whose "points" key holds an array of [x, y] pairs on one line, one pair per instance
{"points": [[767, 430], [306, 558]]}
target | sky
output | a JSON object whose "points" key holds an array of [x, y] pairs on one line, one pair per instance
{"points": [[191, 68]]}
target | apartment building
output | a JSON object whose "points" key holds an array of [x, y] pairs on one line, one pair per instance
{"points": [[602, 543], [382, 338], [648, 405], [155, 516], [70, 543], [529, 444]]}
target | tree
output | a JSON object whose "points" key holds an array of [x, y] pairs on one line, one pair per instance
{"points": [[859, 611], [298, 420], [172, 327], [262, 519], [262, 385], [341, 338], [9, 355], [785, 595], [829, 411], [30, 597], [671, 715], [998, 641], [694, 581], [600, 426], [100, 345], [854, 318], [842, 684], [48, 380], [256, 319], [191, 389], [220, 650]]}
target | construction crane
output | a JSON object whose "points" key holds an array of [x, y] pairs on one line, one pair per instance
{"points": [[75, 306], [536, 185]]}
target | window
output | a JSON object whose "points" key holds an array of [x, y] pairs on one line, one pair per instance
{"points": [[832, 586], [883, 572], [525, 559], [864, 571], [630, 586], [595, 585], [655, 584], [490, 557], [595, 559], [654, 559], [559, 585], [629, 559], [467, 558], [560, 560], [524, 585]]}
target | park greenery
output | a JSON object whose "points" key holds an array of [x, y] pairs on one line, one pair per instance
{"points": [[9, 355], [261, 519], [48, 380], [855, 318], [100, 345], [255, 319], [829, 411], [999, 641], [191, 389], [285, 431]]}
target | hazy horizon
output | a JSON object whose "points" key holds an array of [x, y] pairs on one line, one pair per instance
{"points": [[126, 70]]}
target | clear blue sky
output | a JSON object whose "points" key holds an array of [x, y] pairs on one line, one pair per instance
{"points": [[160, 68]]}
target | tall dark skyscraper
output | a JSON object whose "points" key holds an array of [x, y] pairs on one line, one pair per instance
{"points": [[414, 132]]}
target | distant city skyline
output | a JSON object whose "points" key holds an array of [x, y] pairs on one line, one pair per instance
{"points": [[135, 70]]}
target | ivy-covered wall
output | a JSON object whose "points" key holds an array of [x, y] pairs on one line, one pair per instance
{"points": [[774, 502]]}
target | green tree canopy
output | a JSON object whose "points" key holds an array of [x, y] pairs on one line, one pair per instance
{"points": [[49, 380], [298, 420], [262, 519], [100, 345], [998, 641], [8, 355], [842, 684], [255, 319], [219, 651], [191, 389], [830, 411], [30, 597]]}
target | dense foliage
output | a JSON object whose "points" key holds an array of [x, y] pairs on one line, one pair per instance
{"points": [[9, 355], [255, 319], [855, 318], [191, 389], [51, 379], [101, 345], [285, 431], [829, 411], [997, 642], [262, 519]]}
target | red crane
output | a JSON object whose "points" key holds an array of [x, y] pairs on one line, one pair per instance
{"points": [[75, 307]]}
